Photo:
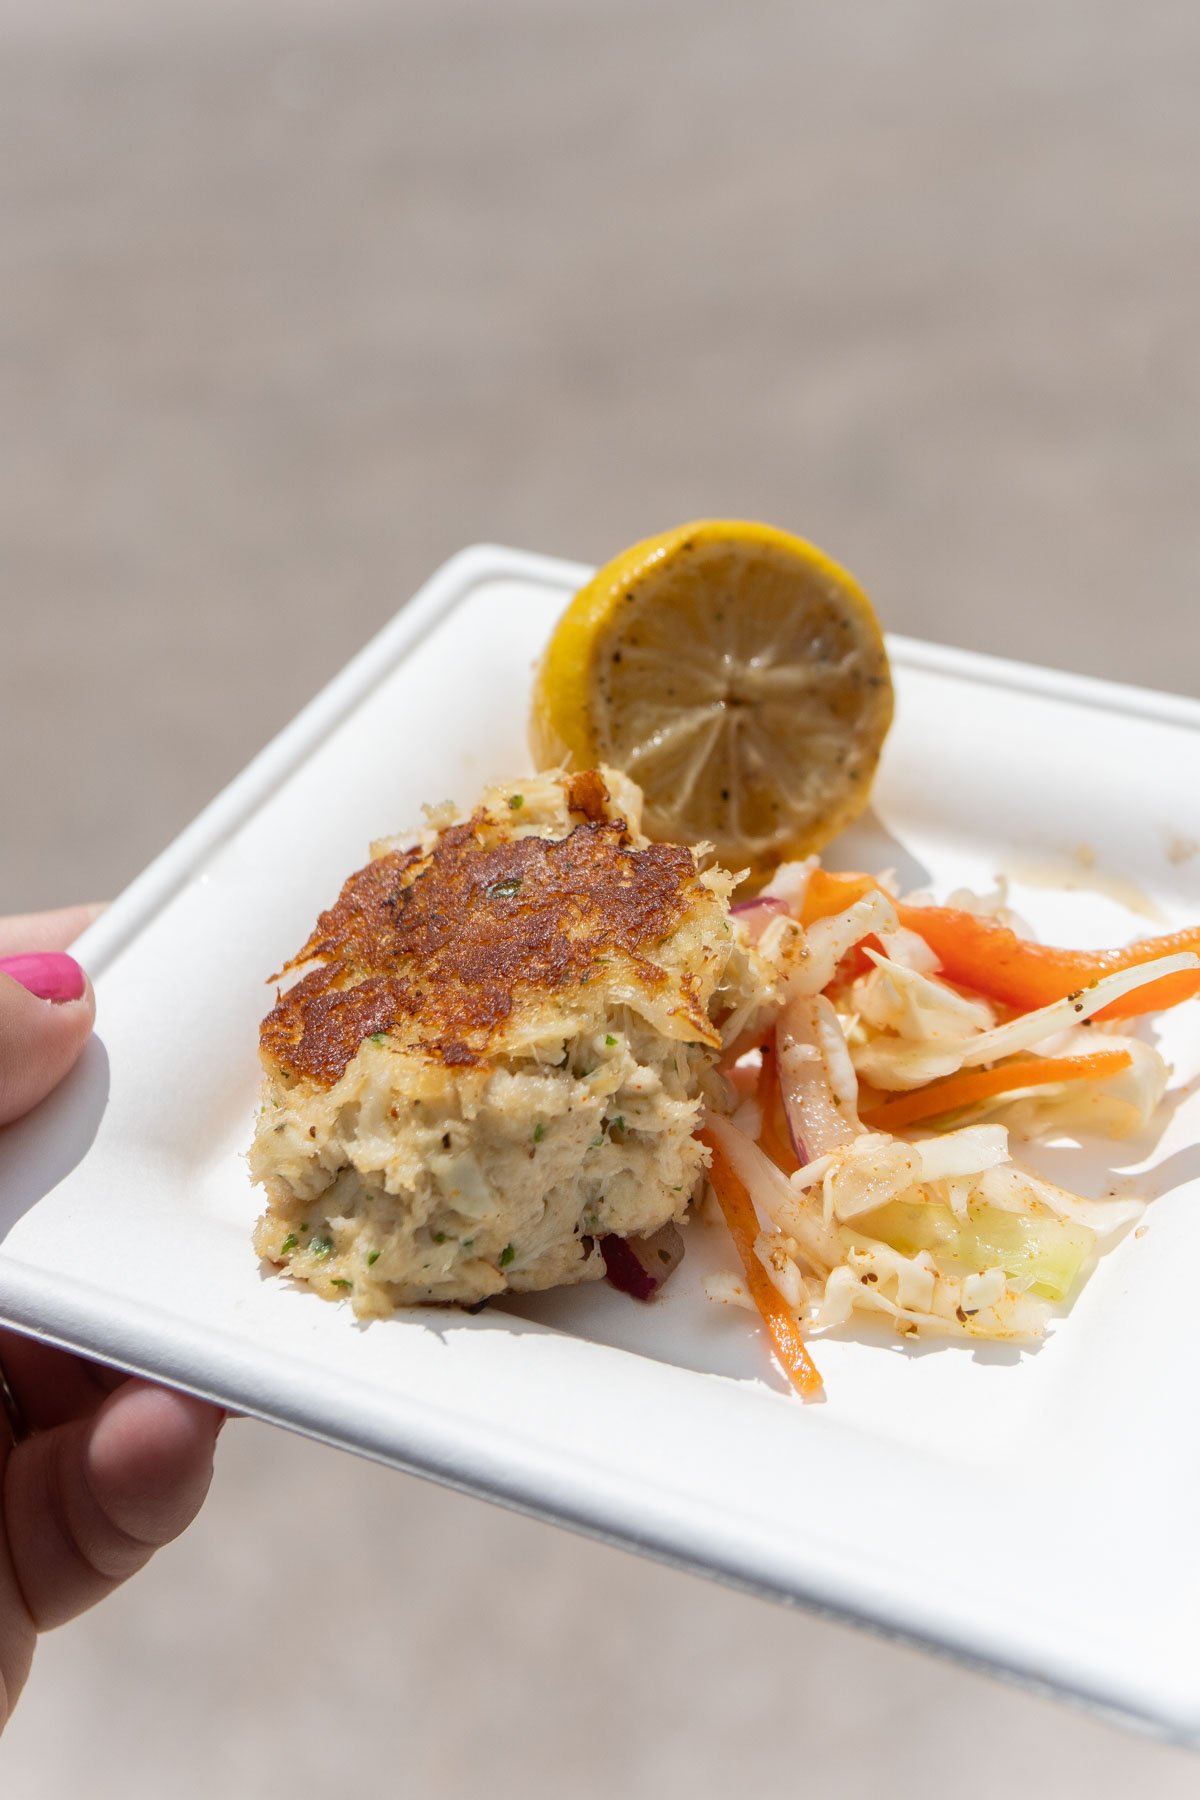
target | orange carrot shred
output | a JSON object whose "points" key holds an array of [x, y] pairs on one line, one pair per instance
{"points": [[983, 954], [971, 1085], [828, 893], [735, 1203], [980, 953], [774, 1138]]}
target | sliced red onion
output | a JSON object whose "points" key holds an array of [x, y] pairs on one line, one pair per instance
{"points": [[799, 1147], [819, 1118], [770, 1055], [756, 914], [639, 1265]]}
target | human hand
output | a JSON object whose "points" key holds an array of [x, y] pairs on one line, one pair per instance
{"points": [[99, 1469]]}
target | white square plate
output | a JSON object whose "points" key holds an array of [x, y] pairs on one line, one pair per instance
{"points": [[1032, 1511]]}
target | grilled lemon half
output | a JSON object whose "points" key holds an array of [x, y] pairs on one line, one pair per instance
{"points": [[737, 674]]}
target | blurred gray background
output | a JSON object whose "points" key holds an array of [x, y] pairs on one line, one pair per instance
{"points": [[297, 298]]}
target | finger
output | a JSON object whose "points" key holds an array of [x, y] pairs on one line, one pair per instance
{"points": [[40, 1039], [18, 1635], [47, 930], [49, 1385], [90, 1502]]}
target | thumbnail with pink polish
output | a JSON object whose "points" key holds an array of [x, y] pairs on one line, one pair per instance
{"points": [[51, 974]]}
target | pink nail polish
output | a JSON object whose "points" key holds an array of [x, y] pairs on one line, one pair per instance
{"points": [[50, 975]]}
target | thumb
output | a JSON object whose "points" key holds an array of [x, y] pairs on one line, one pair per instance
{"points": [[46, 1014], [90, 1501]]}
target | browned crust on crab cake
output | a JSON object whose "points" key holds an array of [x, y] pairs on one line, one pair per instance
{"points": [[438, 949]]}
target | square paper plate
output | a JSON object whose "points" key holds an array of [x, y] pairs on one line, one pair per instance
{"points": [[1032, 1511]]}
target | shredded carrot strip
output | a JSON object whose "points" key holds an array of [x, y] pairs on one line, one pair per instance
{"points": [[982, 954], [971, 1085], [781, 1323], [828, 893], [774, 1139]]}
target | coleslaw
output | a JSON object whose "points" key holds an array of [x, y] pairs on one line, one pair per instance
{"points": [[863, 1157]]}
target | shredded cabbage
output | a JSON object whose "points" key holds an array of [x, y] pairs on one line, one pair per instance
{"points": [[815, 954], [939, 1231], [867, 1174], [773, 1195], [908, 1001], [1047, 1252], [728, 1289], [911, 1291], [969, 1151], [777, 1253], [790, 882], [1119, 1106], [876, 1167]]}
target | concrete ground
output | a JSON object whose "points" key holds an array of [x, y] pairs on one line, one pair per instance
{"points": [[298, 298]]}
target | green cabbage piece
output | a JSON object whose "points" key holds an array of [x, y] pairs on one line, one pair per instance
{"points": [[1050, 1251]]}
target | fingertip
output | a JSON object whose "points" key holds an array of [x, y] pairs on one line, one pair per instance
{"points": [[150, 1459], [88, 1502], [40, 1042]]}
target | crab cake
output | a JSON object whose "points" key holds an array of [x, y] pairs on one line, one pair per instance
{"points": [[494, 1057]]}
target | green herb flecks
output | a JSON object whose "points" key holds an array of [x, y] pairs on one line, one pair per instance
{"points": [[372, 1257], [289, 1243], [609, 1039], [439, 1237], [505, 890], [339, 1282], [516, 801], [539, 1132], [379, 1037], [506, 1256], [322, 1246]]}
